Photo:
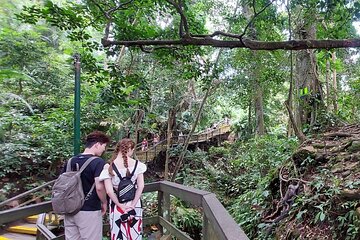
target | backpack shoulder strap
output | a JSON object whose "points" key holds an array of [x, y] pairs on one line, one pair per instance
{"points": [[117, 171], [68, 165], [82, 169], [136, 163], [86, 164]]}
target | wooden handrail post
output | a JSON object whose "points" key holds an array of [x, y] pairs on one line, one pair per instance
{"points": [[207, 231], [166, 209], [160, 198], [205, 225]]}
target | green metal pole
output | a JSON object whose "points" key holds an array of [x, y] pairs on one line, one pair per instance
{"points": [[77, 105]]}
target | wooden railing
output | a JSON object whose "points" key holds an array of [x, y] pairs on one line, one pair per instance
{"points": [[217, 223], [153, 150]]}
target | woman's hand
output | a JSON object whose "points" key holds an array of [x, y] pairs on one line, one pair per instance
{"points": [[132, 205], [124, 207]]}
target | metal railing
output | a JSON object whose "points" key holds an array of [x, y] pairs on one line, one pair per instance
{"points": [[217, 222]]}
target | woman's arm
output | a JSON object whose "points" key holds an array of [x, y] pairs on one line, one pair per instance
{"points": [[140, 188], [110, 192]]}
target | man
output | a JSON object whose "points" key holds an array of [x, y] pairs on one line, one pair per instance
{"points": [[87, 223]]}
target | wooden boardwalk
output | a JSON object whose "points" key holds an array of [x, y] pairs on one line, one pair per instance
{"points": [[205, 136]]}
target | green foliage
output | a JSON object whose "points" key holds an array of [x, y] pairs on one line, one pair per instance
{"points": [[240, 175], [186, 218], [322, 206], [36, 80]]}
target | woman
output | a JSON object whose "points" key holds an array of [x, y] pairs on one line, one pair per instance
{"points": [[156, 139], [125, 223], [144, 145]]}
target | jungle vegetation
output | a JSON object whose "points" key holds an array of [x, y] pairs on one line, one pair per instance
{"points": [[283, 71]]}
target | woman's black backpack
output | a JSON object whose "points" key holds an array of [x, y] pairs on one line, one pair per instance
{"points": [[126, 189]]}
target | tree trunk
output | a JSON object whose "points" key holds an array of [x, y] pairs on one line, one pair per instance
{"points": [[292, 121], [249, 117], [327, 81], [207, 93], [259, 110], [179, 162], [334, 84], [307, 83], [138, 119], [257, 88], [298, 132], [168, 141]]}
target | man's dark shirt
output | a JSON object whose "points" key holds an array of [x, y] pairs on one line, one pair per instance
{"points": [[92, 171]]}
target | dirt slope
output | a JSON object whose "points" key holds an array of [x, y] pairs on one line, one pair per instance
{"points": [[317, 192]]}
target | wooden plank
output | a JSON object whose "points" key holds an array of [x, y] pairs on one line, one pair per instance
{"points": [[152, 187], [173, 230], [186, 193], [222, 223], [208, 231]]}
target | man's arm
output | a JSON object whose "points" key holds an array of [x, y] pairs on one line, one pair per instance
{"points": [[101, 192]]}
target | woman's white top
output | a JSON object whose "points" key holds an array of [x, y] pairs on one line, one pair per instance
{"points": [[141, 168]]}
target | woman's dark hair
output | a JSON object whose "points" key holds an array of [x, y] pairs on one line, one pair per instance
{"points": [[123, 146], [96, 137]]}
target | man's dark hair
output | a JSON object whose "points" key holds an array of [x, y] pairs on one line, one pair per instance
{"points": [[96, 137]]}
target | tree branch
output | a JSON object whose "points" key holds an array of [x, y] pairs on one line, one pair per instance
{"points": [[121, 6], [101, 9], [255, 15], [183, 23], [246, 43], [108, 13], [216, 33]]}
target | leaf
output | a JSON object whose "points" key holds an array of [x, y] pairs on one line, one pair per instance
{"points": [[322, 216]]}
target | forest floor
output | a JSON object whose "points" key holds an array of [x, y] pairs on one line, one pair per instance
{"points": [[316, 194]]}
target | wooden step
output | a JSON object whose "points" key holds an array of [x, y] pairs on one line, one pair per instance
{"points": [[25, 228], [16, 236]]}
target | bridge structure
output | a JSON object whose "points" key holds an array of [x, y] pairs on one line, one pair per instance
{"points": [[218, 133], [217, 223]]}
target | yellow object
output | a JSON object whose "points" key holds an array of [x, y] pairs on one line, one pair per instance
{"points": [[33, 218], [4, 238], [49, 219], [23, 229]]}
